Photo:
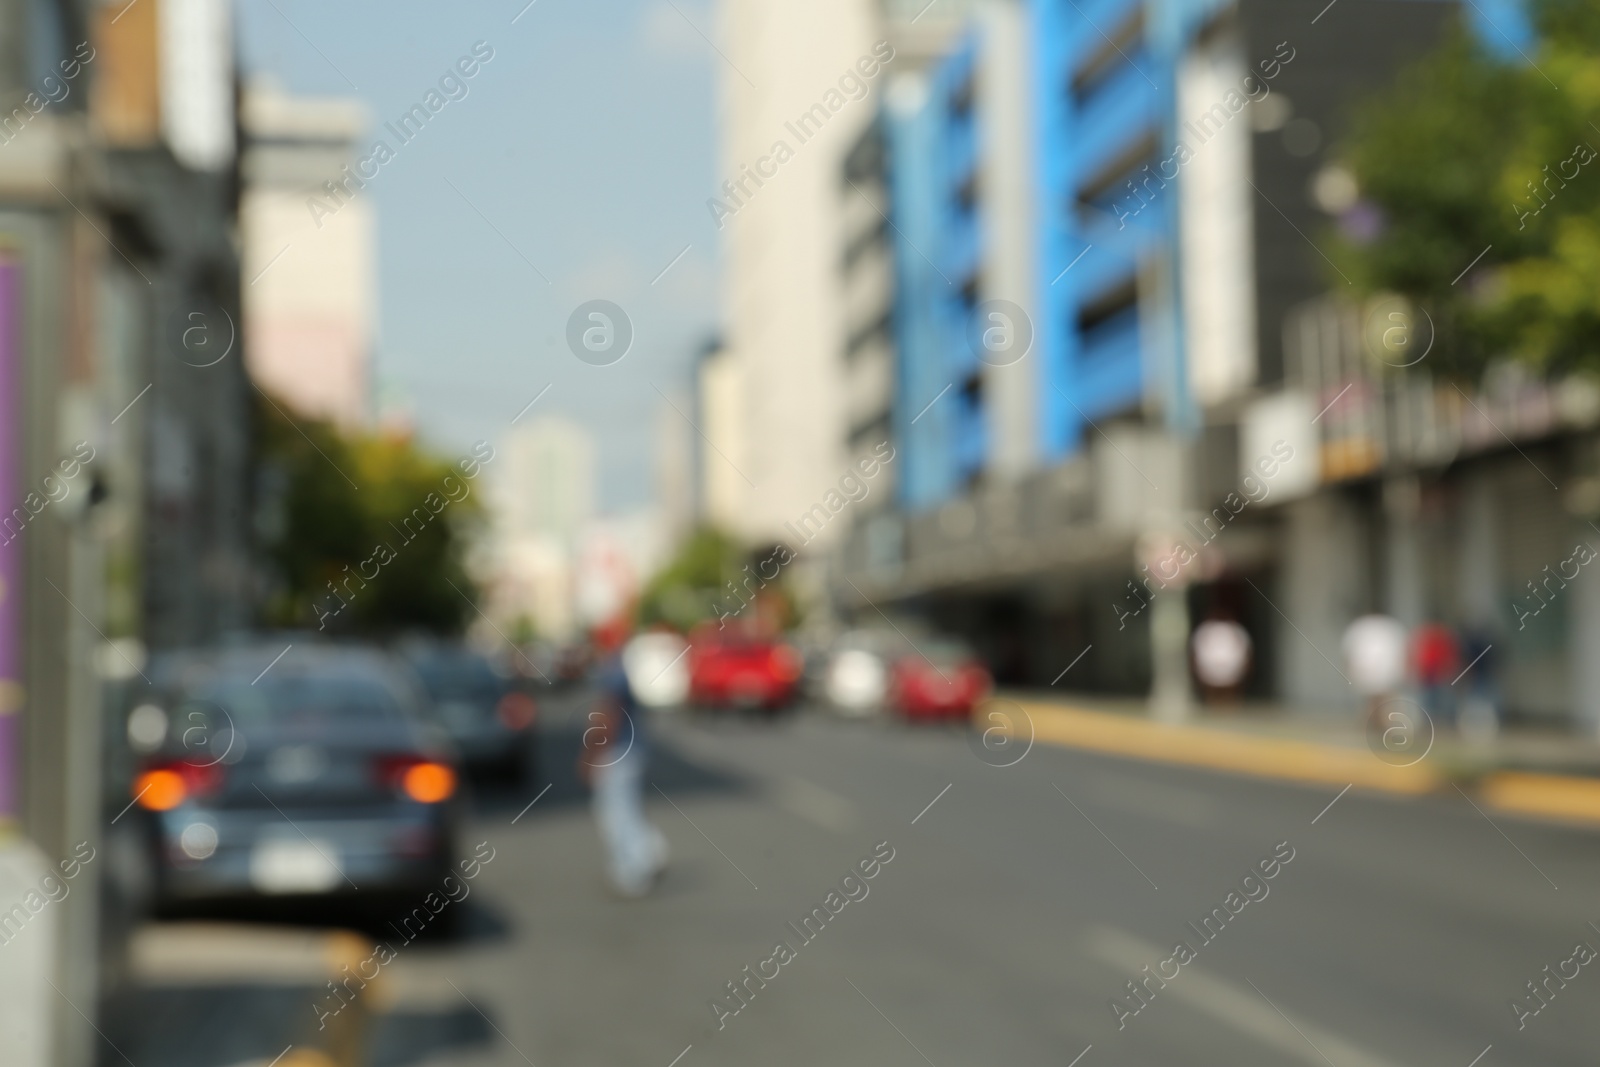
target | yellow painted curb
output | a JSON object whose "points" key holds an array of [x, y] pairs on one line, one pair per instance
{"points": [[1220, 750], [1551, 796], [306, 1057]]}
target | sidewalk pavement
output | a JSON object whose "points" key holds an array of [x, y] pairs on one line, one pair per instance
{"points": [[1532, 774], [205, 993]]}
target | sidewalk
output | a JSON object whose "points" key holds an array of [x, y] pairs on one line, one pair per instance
{"points": [[1540, 775], [206, 993]]}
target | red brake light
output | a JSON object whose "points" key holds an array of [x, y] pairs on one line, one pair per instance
{"points": [[159, 790], [423, 780], [166, 785], [429, 783], [517, 711]]}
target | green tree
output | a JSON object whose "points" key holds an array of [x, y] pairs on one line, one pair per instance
{"points": [[686, 590], [367, 533], [713, 577], [1468, 152]]}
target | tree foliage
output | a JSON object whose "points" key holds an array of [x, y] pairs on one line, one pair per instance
{"points": [[712, 578], [364, 532], [1469, 152], [684, 591]]}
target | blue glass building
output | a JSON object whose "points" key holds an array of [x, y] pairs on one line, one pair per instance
{"points": [[1104, 310], [938, 255]]}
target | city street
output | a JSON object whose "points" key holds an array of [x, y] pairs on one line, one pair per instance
{"points": [[706, 532], [1016, 905]]}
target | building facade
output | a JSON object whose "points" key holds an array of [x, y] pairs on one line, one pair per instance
{"points": [[309, 254], [787, 399], [1130, 192], [125, 435]]}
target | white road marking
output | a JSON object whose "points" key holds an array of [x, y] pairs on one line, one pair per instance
{"points": [[1230, 1004], [814, 803]]}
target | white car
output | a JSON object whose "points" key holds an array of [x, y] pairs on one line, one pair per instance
{"points": [[657, 667], [855, 681]]}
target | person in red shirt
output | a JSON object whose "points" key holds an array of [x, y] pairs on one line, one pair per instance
{"points": [[1436, 658]]}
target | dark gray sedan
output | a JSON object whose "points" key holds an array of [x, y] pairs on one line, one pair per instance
{"points": [[489, 717], [310, 771]]}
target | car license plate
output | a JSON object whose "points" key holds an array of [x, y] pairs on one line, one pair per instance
{"points": [[294, 866]]}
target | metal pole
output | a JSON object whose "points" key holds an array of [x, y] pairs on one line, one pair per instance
{"points": [[11, 692]]}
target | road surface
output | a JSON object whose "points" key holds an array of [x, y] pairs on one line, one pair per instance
{"points": [[1018, 904]]}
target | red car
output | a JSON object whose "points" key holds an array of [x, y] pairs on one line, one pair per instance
{"points": [[943, 681], [735, 670]]}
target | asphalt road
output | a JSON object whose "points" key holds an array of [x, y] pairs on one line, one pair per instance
{"points": [[1018, 903]]}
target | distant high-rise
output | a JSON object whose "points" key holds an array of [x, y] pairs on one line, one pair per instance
{"points": [[799, 88], [546, 479], [675, 496], [542, 491], [310, 292]]}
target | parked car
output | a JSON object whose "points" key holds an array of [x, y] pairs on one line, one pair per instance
{"points": [[735, 668], [311, 772], [657, 670], [941, 679], [489, 715]]}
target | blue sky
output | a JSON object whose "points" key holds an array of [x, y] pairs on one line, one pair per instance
{"points": [[588, 141]]}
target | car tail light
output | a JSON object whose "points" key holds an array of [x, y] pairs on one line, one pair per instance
{"points": [[517, 711], [166, 785], [786, 663], [159, 790], [423, 780], [429, 783]]}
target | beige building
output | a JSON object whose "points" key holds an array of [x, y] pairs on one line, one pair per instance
{"points": [[779, 400], [793, 100], [542, 501], [310, 290], [546, 477], [722, 419]]}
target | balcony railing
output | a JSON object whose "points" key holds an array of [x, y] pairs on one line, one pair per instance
{"points": [[1377, 417]]}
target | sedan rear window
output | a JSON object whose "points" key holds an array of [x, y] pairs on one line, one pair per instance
{"points": [[300, 702]]}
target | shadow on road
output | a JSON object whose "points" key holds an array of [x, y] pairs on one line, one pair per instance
{"points": [[406, 1037], [560, 741], [207, 1025]]}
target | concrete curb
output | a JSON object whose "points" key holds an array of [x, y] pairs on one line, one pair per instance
{"points": [[1278, 758], [1543, 796], [1554, 797]]}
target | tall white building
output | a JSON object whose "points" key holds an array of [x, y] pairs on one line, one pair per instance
{"points": [[675, 440], [720, 455], [310, 293], [800, 87], [797, 89], [546, 479], [542, 500]]}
